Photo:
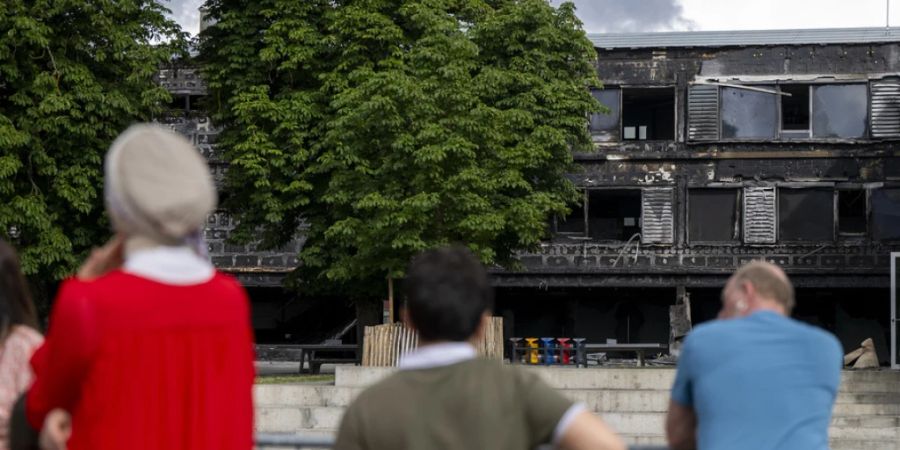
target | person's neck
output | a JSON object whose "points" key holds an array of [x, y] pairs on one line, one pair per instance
{"points": [[771, 306]]}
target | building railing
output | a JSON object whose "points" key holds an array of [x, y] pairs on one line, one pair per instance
{"points": [[298, 441]]}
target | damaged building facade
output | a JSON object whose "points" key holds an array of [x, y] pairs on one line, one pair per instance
{"points": [[718, 148]]}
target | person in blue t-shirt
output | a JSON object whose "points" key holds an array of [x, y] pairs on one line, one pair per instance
{"points": [[755, 379]]}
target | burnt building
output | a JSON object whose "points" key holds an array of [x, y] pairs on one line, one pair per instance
{"points": [[717, 148]]}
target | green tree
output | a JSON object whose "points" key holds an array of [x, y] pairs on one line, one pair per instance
{"points": [[392, 126], [73, 74]]}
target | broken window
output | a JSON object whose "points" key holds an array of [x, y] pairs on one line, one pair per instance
{"points": [[614, 214], [806, 214], [886, 214], [840, 110], [713, 215], [605, 127], [573, 223], [648, 114], [852, 211], [795, 111], [748, 114]]}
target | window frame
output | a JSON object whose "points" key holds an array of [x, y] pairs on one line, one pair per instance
{"points": [[674, 91], [870, 222], [802, 186], [739, 216], [587, 211], [776, 86], [847, 236], [606, 137], [574, 234]]}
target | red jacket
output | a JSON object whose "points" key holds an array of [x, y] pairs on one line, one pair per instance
{"points": [[145, 365]]}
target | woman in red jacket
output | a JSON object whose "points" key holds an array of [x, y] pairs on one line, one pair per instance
{"points": [[148, 347]]}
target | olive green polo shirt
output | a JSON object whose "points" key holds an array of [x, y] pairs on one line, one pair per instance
{"points": [[468, 405]]}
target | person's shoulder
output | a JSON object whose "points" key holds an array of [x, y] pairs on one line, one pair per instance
{"points": [[390, 389], [707, 331], [25, 336], [819, 336], [227, 283]]}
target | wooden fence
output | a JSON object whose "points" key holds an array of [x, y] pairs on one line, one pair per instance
{"points": [[384, 344]]}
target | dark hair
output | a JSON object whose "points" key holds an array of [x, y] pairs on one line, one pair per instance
{"points": [[16, 307], [447, 292]]}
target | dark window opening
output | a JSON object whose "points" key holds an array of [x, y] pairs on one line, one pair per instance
{"points": [[840, 110], [886, 214], [605, 126], [573, 223], [178, 105], [648, 114], [852, 211], [195, 102], [713, 215], [748, 114], [795, 111], [614, 214], [806, 214]]}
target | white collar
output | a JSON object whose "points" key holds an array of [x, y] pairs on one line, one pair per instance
{"points": [[169, 265], [437, 355]]}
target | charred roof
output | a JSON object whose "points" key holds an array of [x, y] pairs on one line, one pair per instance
{"points": [[745, 38]]}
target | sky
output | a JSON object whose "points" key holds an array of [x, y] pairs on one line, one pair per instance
{"points": [[617, 16]]}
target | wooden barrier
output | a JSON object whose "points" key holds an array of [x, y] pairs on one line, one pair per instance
{"points": [[384, 344]]}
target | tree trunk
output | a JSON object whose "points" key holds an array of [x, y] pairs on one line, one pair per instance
{"points": [[368, 313]]}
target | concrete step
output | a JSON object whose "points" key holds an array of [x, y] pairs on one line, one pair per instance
{"points": [[600, 400], [853, 381], [836, 444], [867, 444], [296, 419], [284, 419]]}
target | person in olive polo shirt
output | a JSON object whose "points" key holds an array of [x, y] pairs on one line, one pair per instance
{"points": [[443, 397]]}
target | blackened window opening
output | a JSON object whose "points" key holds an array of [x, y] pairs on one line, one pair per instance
{"points": [[806, 215], [713, 215], [614, 214], [886, 214], [648, 114], [573, 223], [852, 211], [795, 111]]}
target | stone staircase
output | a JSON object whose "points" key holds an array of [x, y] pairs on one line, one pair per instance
{"points": [[633, 401]]}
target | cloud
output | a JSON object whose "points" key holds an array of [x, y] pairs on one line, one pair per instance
{"points": [[186, 13], [625, 16], [599, 16]]}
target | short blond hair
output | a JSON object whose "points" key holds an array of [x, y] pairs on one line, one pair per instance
{"points": [[769, 280]]}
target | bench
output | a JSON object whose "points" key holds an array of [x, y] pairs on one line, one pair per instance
{"points": [[640, 349], [313, 354], [576, 353]]}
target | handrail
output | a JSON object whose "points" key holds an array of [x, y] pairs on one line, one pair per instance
{"points": [[299, 441]]}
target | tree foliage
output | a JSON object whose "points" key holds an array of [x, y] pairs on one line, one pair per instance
{"points": [[392, 126], [73, 74]]}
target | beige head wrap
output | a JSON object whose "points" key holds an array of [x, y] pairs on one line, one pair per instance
{"points": [[158, 188]]}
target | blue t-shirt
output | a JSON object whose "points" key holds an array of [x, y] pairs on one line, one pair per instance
{"points": [[760, 382]]}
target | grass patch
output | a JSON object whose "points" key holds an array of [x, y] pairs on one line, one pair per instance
{"points": [[285, 379]]}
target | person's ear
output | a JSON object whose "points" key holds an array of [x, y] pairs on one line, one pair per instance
{"points": [[750, 292]]}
